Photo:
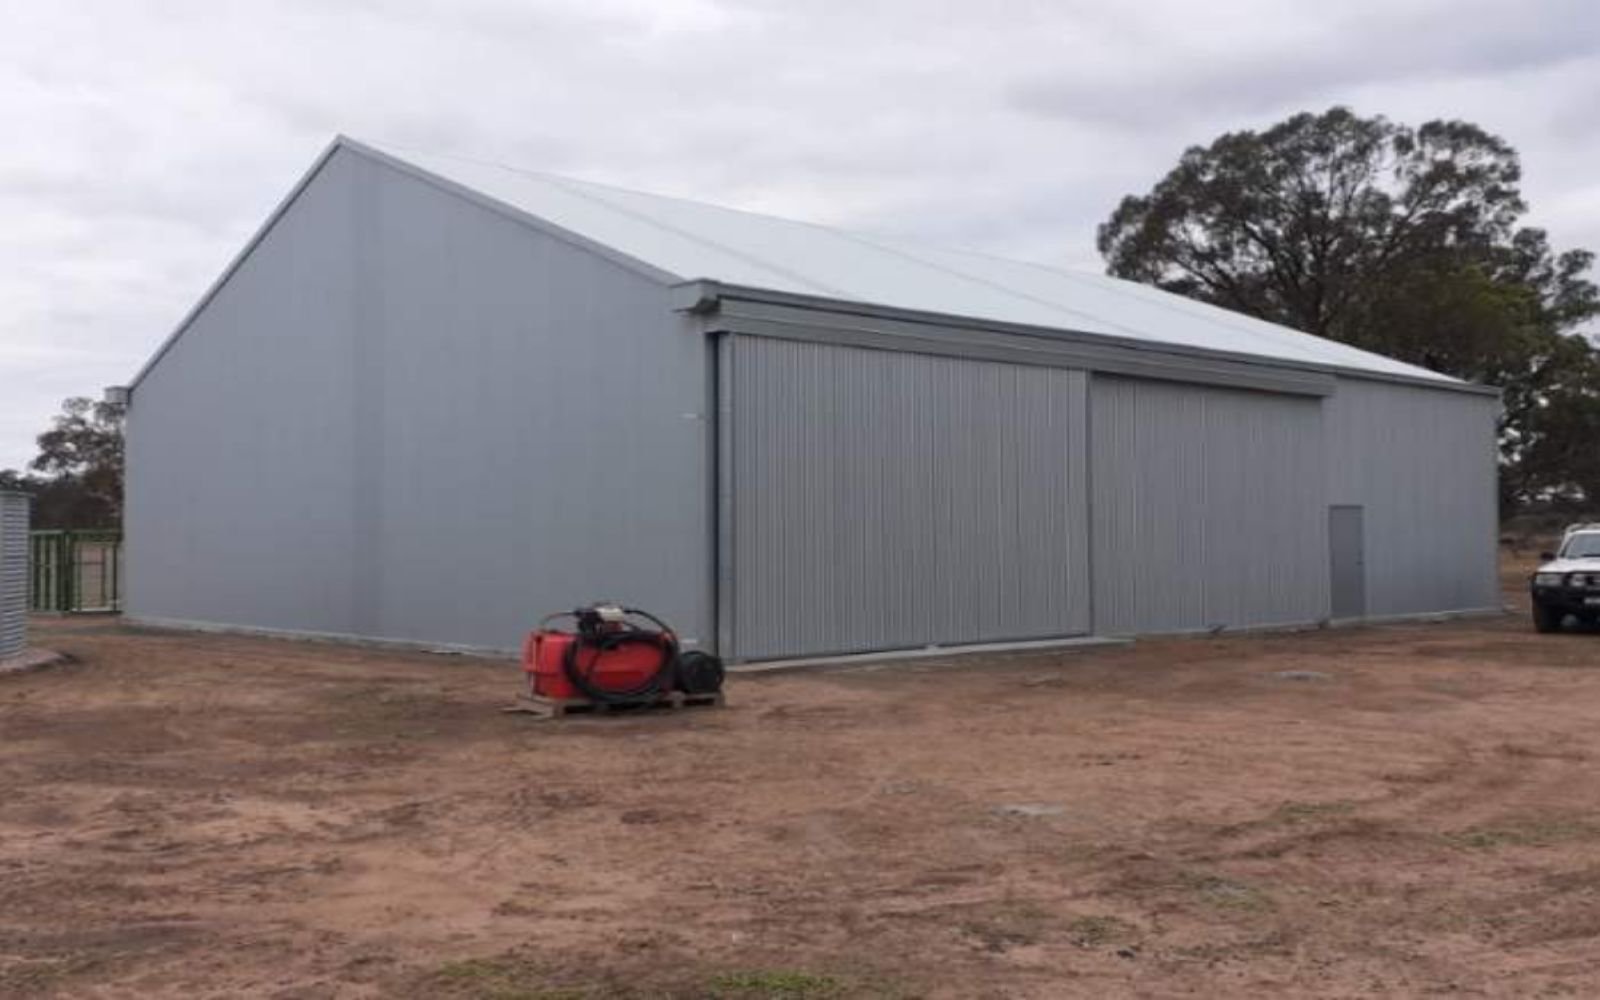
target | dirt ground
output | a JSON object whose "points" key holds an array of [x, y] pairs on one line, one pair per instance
{"points": [[1411, 810]]}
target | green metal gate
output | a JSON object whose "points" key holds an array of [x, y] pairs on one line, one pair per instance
{"points": [[75, 572]]}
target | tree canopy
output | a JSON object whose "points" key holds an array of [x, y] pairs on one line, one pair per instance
{"points": [[76, 479], [1400, 240]]}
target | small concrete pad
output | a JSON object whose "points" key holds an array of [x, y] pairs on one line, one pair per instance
{"points": [[1029, 810], [32, 658], [1302, 675]]}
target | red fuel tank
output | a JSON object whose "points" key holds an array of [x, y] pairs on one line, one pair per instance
{"points": [[625, 668]]}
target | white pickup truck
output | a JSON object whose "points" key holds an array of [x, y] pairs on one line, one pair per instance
{"points": [[1568, 580]]}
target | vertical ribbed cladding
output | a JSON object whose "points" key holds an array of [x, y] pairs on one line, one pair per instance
{"points": [[421, 422], [1208, 507], [1422, 464], [886, 500], [13, 572]]}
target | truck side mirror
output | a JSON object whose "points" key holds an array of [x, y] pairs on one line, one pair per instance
{"points": [[1547, 556]]}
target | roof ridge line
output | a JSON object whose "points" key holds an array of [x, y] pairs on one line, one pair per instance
{"points": [[866, 234], [723, 235]]}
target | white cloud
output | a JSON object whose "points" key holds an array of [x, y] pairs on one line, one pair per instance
{"points": [[145, 141]]}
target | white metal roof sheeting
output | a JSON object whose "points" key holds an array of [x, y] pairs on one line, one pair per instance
{"points": [[691, 240]]}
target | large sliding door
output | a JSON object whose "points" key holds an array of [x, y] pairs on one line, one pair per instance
{"points": [[1209, 507], [878, 500]]}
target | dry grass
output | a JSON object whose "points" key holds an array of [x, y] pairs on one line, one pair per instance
{"points": [[202, 816]]}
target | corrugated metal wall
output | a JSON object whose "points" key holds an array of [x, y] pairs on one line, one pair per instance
{"points": [[409, 417], [884, 500], [1422, 464], [13, 572], [1207, 506]]}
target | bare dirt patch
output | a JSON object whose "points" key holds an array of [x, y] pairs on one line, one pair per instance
{"points": [[1414, 812]]}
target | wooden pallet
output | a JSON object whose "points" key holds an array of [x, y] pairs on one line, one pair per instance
{"points": [[555, 708]]}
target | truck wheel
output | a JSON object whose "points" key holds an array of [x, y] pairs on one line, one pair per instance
{"points": [[1546, 619]]}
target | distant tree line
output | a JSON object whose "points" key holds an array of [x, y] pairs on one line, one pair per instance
{"points": [[1400, 240], [1407, 241], [76, 479]]}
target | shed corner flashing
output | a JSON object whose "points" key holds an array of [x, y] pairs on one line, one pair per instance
{"points": [[698, 298]]}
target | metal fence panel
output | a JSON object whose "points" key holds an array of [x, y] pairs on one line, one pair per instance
{"points": [[75, 572]]}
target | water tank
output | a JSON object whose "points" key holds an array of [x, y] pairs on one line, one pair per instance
{"points": [[13, 572]]}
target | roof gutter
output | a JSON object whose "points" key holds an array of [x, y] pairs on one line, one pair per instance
{"points": [[706, 297], [700, 297]]}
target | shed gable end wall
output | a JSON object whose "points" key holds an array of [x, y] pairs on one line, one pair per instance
{"points": [[384, 424], [1422, 465]]}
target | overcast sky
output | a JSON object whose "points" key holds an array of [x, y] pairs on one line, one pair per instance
{"points": [[145, 141]]}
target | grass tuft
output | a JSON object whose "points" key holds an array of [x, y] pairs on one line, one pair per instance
{"points": [[775, 984], [498, 979], [1304, 812], [1227, 894], [1535, 833], [1093, 931], [472, 969]]}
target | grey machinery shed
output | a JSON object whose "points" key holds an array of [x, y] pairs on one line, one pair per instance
{"points": [[434, 398]]}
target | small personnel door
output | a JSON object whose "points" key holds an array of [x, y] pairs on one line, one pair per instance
{"points": [[1347, 560]]}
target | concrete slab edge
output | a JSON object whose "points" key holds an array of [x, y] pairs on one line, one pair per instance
{"points": [[31, 659], [850, 660], [330, 638], [833, 662], [1286, 628]]}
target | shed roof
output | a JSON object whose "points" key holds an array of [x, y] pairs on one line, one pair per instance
{"points": [[690, 240]]}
